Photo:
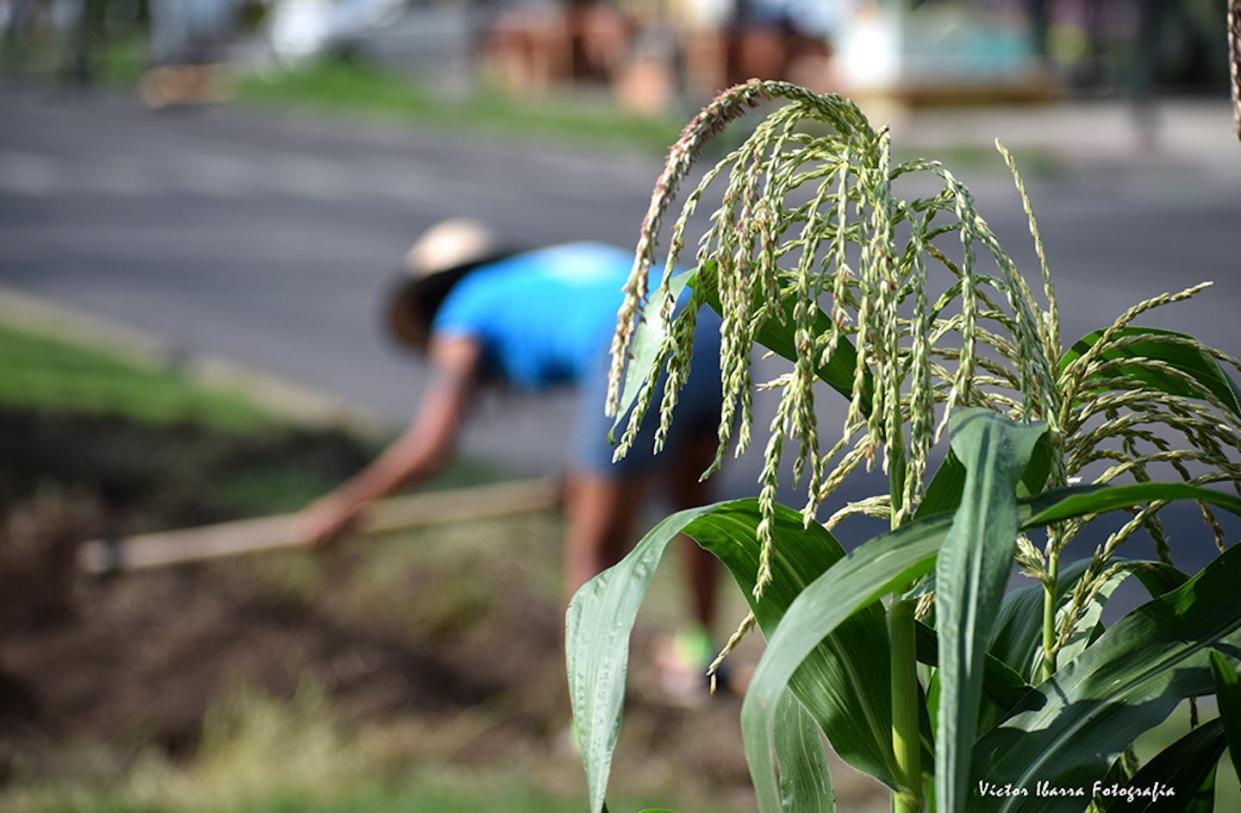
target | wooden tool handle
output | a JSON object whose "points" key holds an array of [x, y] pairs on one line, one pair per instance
{"points": [[224, 539]]}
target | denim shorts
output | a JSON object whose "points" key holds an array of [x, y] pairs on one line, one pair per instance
{"points": [[696, 417]]}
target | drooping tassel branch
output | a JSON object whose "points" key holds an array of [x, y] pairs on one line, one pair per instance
{"points": [[811, 234], [808, 213]]}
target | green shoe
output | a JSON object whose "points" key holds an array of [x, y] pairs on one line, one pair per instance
{"points": [[683, 660]]}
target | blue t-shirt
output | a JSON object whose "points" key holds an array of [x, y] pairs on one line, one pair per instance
{"points": [[544, 317]]}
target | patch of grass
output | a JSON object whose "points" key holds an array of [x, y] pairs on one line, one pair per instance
{"points": [[117, 58], [1035, 162], [46, 374], [121, 58], [353, 86], [426, 795], [272, 487], [425, 799], [52, 374], [259, 755]]}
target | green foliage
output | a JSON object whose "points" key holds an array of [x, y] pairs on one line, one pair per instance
{"points": [[1129, 680], [52, 374], [1024, 687], [597, 637], [424, 792], [1193, 366], [805, 782], [356, 87], [260, 754], [971, 572], [843, 683], [1228, 693], [1186, 765], [1020, 617]]}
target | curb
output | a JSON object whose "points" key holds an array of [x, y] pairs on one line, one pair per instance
{"points": [[301, 405]]}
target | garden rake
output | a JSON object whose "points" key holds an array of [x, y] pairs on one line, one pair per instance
{"points": [[112, 555]]}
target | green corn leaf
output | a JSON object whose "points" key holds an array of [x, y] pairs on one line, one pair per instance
{"points": [[1228, 696], [1069, 728], [844, 687], [1018, 635], [1002, 686], [1161, 345], [1157, 577], [1186, 767], [883, 565], [1203, 800], [1067, 503], [1019, 622], [597, 627], [1034, 475], [943, 493], [845, 683], [973, 567], [805, 781], [1018, 625], [1086, 628]]}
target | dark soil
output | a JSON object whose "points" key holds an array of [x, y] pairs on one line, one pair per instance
{"points": [[137, 658], [135, 661], [147, 476]]}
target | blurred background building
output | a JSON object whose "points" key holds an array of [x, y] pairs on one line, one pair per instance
{"points": [[652, 55]]}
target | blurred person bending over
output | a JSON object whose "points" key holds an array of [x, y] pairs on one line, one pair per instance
{"points": [[533, 321]]}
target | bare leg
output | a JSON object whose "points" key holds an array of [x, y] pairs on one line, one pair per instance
{"points": [[688, 492], [600, 524]]}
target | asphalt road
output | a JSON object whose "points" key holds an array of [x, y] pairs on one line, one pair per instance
{"points": [[271, 239]]}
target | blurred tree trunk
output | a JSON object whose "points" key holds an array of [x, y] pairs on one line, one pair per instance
{"points": [[88, 30], [15, 33], [1144, 73], [1040, 23], [1234, 59]]}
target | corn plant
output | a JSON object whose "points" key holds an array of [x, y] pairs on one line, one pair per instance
{"points": [[907, 655]]}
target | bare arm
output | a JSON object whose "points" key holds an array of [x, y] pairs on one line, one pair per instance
{"points": [[417, 453]]}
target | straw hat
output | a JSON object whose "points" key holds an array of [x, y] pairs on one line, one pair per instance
{"points": [[444, 254]]}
